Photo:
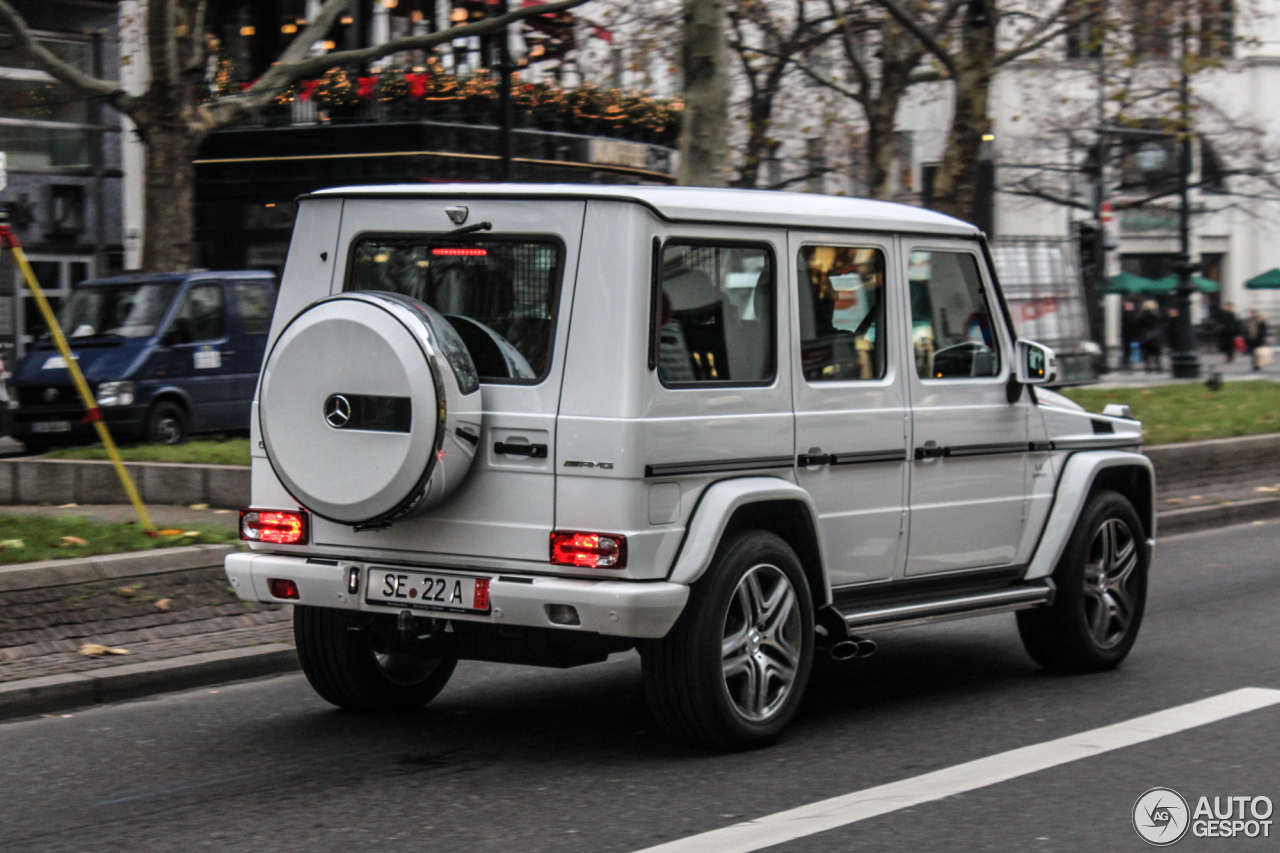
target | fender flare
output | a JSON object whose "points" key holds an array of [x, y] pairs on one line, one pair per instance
{"points": [[1078, 475], [711, 516]]}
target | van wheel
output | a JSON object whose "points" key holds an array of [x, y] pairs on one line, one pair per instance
{"points": [[351, 668], [167, 424], [1102, 592], [732, 671]]}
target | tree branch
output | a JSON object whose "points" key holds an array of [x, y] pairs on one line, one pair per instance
{"points": [[292, 66], [83, 84], [926, 38]]}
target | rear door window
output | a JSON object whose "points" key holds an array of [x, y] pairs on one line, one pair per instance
{"points": [[842, 309], [500, 294], [254, 303], [715, 315]]}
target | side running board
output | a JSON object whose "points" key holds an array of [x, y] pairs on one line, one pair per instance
{"points": [[880, 616]]}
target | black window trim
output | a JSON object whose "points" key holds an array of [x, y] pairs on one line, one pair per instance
{"points": [[655, 308], [478, 237], [988, 284], [888, 376]]}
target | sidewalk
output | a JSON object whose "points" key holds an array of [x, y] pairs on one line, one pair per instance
{"points": [[1237, 371]]}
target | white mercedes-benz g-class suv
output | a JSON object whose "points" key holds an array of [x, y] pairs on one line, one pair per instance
{"points": [[541, 424]]}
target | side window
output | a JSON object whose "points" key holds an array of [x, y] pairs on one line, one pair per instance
{"points": [[951, 321], [842, 305], [716, 314], [200, 316], [254, 304]]}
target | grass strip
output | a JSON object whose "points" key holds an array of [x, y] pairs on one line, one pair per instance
{"points": [[229, 451], [1190, 411], [27, 539]]}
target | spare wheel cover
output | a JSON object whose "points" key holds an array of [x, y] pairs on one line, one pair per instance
{"points": [[353, 409]]}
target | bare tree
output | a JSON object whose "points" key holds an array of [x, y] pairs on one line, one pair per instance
{"points": [[704, 136], [172, 122]]}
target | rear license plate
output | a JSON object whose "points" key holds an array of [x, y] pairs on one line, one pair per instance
{"points": [[51, 426], [422, 591]]}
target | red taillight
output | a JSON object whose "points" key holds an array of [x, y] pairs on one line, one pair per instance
{"points": [[592, 550], [279, 527], [283, 588], [482, 594], [464, 253]]}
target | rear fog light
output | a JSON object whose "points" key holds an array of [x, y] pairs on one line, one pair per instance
{"points": [[283, 588]]}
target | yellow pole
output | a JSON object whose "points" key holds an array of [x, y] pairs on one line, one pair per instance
{"points": [[90, 403]]}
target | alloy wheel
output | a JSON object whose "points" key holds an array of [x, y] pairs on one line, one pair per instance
{"points": [[1110, 583], [762, 641]]}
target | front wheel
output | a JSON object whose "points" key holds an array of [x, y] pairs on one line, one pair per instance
{"points": [[167, 423], [353, 666], [1101, 595], [732, 671]]}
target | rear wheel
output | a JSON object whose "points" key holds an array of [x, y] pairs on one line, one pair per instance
{"points": [[1101, 592], [167, 423], [732, 671], [355, 667]]}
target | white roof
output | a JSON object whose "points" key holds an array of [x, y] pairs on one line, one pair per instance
{"points": [[701, 204]]}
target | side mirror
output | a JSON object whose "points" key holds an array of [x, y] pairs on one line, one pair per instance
{"points": [[1037, 364]]}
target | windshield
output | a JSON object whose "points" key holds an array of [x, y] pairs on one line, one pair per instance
{"points": [[500, 295], [127, 310]]}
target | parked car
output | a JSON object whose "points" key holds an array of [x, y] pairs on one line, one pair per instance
{"points": [[544, 424], [166, 354]]}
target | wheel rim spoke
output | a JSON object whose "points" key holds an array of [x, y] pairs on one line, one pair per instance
{"points": [[1109, 572]]}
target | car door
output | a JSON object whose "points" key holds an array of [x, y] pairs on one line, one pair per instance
{"points": [[254, 302], [967, 488], [850, 401], [199, 358]]}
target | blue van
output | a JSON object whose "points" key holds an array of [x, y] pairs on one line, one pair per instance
{"points": [[166, 354]]}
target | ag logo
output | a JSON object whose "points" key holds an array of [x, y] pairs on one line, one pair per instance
{"points": [[337, 411], [1161, 817]]}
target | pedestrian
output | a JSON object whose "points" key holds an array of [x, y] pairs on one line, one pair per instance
{"points": [[1128, 336], [1255, 337], [1228, 331], [1149, 330]]}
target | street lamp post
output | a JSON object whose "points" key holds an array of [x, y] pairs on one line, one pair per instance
{"points": [[1186, 363]]}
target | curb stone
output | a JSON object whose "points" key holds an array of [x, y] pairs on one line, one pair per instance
{"points": [[107, 566], [51, 693], [1222, 515]]}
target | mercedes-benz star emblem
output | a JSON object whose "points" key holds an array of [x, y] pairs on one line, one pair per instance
{"points": [[337, 411]]}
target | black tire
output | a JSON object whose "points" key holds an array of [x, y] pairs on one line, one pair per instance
{"points": [[687, 681], [1101, 592], [340, 658], [167, 423]]}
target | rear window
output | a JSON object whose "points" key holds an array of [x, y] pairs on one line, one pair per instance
{"points": [[500, 294]]}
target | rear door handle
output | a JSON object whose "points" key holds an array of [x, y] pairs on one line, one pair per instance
{"points": [[533, 451], [930, 451]]}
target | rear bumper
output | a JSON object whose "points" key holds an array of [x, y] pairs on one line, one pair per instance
{"points": [[614, 608]]}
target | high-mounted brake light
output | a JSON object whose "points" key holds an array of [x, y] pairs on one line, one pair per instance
{"points": [[278, 527], [464, 253], [591, 550]]}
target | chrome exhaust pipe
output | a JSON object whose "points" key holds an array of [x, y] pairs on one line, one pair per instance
{"points": [[854, 647]]}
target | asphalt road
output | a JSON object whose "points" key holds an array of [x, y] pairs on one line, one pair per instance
{"points": [[516, 758]]}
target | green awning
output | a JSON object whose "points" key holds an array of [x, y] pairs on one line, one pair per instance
{"points": [[1169, 284], [1269, 280], [1128, 283]]}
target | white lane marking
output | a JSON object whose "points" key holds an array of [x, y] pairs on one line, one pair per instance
{"points": [[850, 808]]}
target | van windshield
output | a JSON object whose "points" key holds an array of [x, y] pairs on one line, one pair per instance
{"points": [[500, 295], [127, 310]]}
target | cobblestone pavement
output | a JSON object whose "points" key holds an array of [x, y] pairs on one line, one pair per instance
{"points": [[153, 617]]}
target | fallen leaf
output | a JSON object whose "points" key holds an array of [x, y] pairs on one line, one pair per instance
{"points": [[1173, 500], [127, 591], [163, 604], [221, 511], [12, 543], [68, 541], [93, 650], [66, 506], [199, 506], [1266, 489], [171, 531], [191, 533], [1197, 497]]}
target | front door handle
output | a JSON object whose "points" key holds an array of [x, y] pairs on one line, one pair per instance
{"points": [[533, 451]]}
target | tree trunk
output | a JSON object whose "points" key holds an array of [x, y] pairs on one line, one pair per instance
{"points": [[169, 197], [704, 137], [956, 185]]}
